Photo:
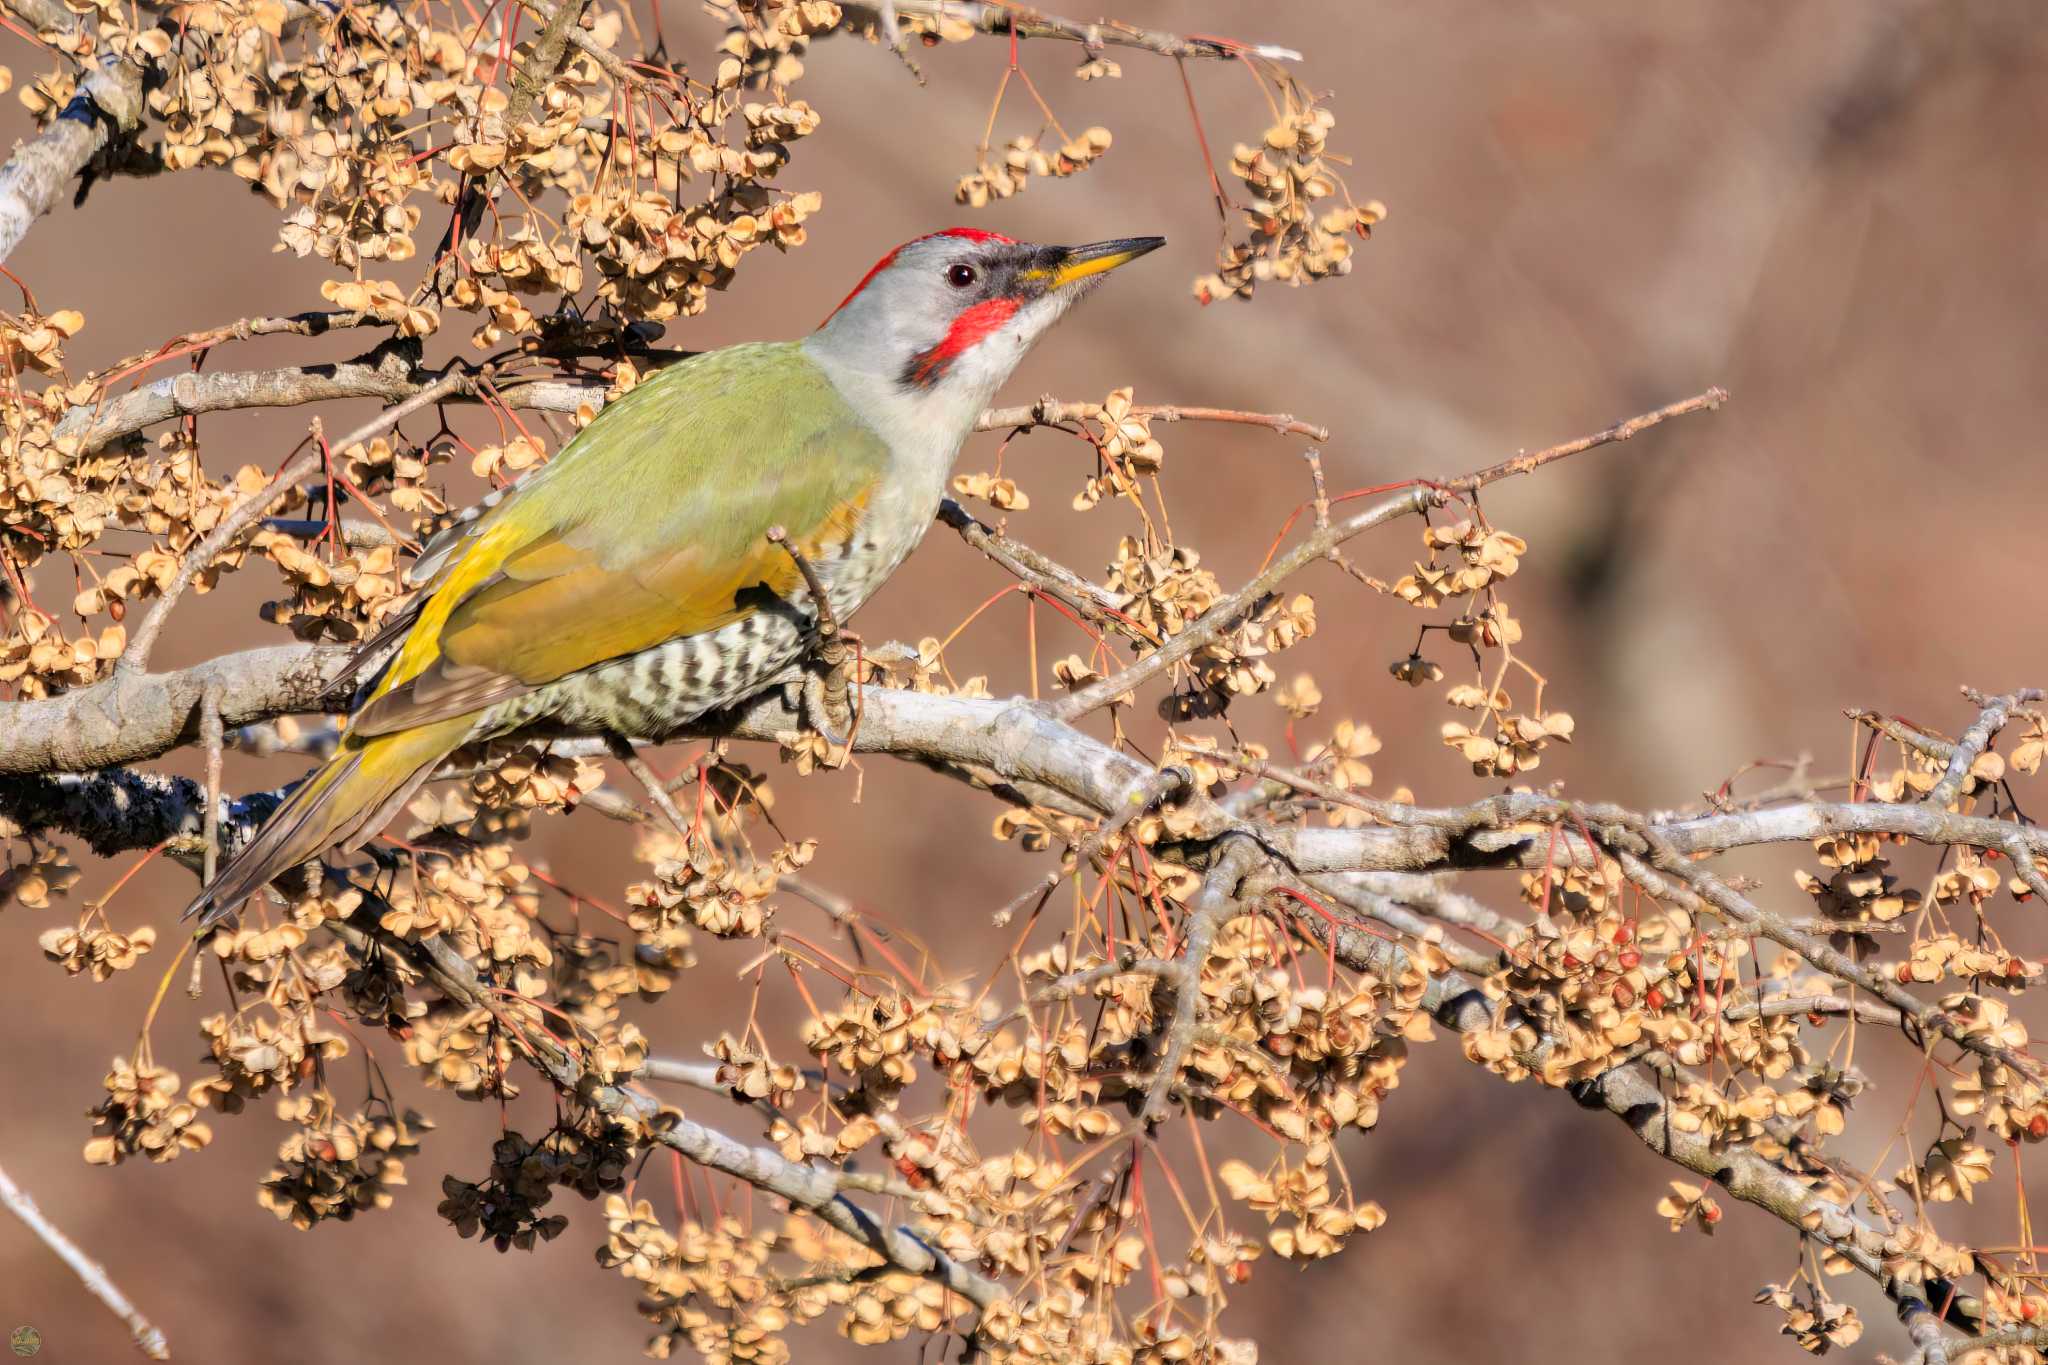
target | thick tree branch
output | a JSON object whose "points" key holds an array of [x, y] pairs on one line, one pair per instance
{"points": [[1020, 742], [117, 810], [135, 716], [108, 105]]}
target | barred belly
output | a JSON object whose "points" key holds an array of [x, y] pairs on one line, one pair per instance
{"points": [[656, 692]]}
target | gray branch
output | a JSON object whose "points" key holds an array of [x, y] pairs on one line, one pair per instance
{"points": [[108, 102], [136, 716], [391, 376], [118, 810], [1997, 711], [816, 1189], [149, 1338], [1024, 22], [108, 106]]}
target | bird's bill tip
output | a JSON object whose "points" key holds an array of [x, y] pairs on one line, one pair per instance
{"points": [[1084, 262]]}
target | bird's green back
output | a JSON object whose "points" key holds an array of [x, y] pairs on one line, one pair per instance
{"points": [[651, 524]]}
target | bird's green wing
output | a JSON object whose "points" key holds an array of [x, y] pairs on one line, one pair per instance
{"points": [[650, 525]]}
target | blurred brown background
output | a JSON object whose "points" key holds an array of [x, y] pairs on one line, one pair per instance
{"points": [[1831, 208]]}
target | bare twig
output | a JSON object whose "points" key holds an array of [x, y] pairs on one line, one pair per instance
{"points": [[1049, 411], [1050, 577], [1893, 728], [831, 902], [389, 374], [149, 1338], [1230, 610], [2035, 1338], [1621, 431], [1403, 920], [1213, 905], [357, 535], [1688, 883], [1779, 1006], [1026, 22], [1390, 811], [622, 749], [1161, 786], [210, 739], [581, 40]]}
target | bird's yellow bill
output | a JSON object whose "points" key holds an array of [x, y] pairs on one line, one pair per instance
{"points": [[1084, 262]]}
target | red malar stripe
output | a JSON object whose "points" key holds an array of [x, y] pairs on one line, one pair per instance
{"points": [[971, 327], [965, 234]]}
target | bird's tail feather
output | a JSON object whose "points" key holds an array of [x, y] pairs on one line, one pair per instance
{"points": [[342, 805]]}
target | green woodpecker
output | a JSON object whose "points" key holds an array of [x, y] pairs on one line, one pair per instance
{"points": [[629, 586]]}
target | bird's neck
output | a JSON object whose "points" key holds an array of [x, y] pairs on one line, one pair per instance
{"points": [[924, 428]]}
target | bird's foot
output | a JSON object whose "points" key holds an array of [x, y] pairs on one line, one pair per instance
{"points": [[828, 705], [827, 689]]}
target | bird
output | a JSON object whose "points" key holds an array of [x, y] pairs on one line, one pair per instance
{"points": [[660, 566]]}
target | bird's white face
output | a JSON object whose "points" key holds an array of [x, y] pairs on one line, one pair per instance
{"points": [[941, 322]]}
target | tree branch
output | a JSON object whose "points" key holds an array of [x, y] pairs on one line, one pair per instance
{"points": [[1027, 565], [816, 1189], [1020, 742], [1228, 611], [1997, 711], [392, 375], [107, 106], [149, 1338], [251, 508], [1025, 22], [1709, 401], [1049, 411], [135, 716], [389, 373]]}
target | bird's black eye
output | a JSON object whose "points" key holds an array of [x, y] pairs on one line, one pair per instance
{"points": [[960, 276]]}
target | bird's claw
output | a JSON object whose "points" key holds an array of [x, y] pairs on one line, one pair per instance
{"points": [[827, 713]]}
